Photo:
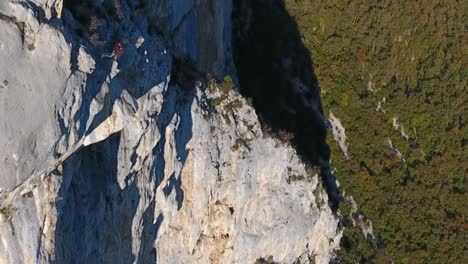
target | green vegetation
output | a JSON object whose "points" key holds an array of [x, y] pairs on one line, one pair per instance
{"points": [[240, 143], [6, 211], [31, 47], [235, 147], [283, 135], [20, 24], [413, 54], [233, 105], [250, 101], [294, 178], [221, 88], [267, 260], [220, 92]]}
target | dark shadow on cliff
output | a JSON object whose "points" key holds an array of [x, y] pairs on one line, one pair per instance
{"points": [[275, 69], [177, 102], [94, 216], [96, 27], [147, 252]]}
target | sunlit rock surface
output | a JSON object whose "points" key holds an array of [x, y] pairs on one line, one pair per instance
{"points": [[108, 161]]}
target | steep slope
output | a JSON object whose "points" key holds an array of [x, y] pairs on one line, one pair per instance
{"points": [[394, 77], [142, 159]]}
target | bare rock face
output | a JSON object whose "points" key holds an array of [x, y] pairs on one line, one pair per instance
{"points": [[108, 161], [199, 30], [34, 68]]}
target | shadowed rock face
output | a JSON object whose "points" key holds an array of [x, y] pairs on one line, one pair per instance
{"points": [[275, 69], [133, 168], [199, 30]]}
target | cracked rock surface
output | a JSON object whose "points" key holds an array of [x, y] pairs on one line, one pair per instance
{"points": [[109, 161]]}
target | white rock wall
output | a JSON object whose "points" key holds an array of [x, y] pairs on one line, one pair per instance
{"points": [[114, 165]]}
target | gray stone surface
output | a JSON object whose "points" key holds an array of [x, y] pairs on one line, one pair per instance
{"points": [[107, 162], [33, 71]]}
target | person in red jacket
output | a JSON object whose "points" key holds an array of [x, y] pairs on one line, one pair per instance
{"points": [[116, 53], [118, 50]]}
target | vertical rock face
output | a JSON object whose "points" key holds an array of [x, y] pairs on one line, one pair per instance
{"points": [[199, 30], [34, 69], [108, 161]]}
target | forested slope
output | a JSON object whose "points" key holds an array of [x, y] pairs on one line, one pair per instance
{"points": [[395, 74]]}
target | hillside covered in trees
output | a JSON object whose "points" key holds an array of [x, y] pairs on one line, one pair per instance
{"points": [[396, 74]]}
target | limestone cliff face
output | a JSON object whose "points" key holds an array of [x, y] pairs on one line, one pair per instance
{"points": [[196, 29], [108, 161]]}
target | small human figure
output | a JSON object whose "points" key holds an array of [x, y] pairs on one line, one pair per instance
{"points": [[118, 50]]}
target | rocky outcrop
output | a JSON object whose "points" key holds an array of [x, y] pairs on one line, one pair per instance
{"points": [[110, 161]]}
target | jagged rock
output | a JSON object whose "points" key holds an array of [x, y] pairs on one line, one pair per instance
{"points": [[106, 161]]}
